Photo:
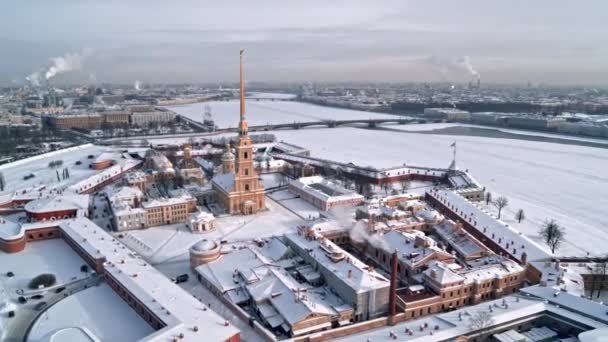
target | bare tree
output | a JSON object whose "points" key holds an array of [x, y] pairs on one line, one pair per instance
{"points": [[520, 215], [488, 197], [2, 182], [481, 321], [385, 187], [500, 203], [552, 234], [598, 277], [405, 185]]}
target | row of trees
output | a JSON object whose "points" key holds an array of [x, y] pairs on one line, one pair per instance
{"points": [[551, 232]]}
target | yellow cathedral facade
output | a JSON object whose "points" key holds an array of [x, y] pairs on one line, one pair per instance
{"points": [[238, 188]]}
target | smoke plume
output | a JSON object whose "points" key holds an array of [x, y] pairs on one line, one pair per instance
{"points": [[446, 66], [66, 63], [466, 65], [137, 85], [34, 78], [360, 233]]}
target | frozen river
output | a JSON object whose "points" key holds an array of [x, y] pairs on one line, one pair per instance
{"points": [[226, 113]]}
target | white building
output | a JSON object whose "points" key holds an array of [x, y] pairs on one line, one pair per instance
{"points": [[324, 194], [127, 194], [201, 222], [145, 118], [127, 217], [447, 113]]}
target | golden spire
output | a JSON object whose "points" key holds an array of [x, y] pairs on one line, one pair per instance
{"points": [[242, 123]]}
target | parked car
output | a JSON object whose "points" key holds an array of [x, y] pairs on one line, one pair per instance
{"points": [[182, 278]]}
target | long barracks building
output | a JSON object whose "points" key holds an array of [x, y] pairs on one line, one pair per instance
{"points": [[174, 314]]}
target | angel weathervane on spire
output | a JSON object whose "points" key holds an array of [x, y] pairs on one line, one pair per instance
{"points": [[242, 123]]}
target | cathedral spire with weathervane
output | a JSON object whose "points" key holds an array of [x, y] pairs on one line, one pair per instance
{"points": [[242, 122]]}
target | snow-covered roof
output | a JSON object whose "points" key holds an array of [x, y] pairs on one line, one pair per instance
{"points": [[490, 227], [106, 156], [202, 216], [123, 166], [491, 267], [442, 274], [163, 202], [580, 305], [451, 325], [135, 177], [58, 202], [123, 193], [351, 271], [323, 189], [221, 272], [8, 228], [412, 247], [462, 242], [204, 246], [224, 181], [281, 290]]}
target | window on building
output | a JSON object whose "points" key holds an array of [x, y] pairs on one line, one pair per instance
{"points": [[245, 155], [246, 172], [246, 187]]}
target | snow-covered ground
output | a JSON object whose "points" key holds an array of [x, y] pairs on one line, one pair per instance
{"points": [[567, 183], [97, 309], [226, 113], [170, 242], [297, 205], [433, 126], [44, 175], [45, 256]]}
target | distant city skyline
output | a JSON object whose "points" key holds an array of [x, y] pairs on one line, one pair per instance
{"points": [[551, 42]]}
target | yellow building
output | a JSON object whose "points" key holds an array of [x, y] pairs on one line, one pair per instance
{"points": [[166, 211], [238, 188]]}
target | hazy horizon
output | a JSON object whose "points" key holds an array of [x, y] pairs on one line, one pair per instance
{"points": [[510, 42]]}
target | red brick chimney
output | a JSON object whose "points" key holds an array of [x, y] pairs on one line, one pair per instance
{"points": [[392, 296]]}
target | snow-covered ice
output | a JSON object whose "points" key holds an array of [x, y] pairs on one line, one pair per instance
{"points": [[226, 113], [434, 126]]}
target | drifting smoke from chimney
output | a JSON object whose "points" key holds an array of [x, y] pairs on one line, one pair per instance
{"points": [[358, 230], [360, 233], [466, 65], [445, 66], [67, 62], [137, 85], [34, 78]]}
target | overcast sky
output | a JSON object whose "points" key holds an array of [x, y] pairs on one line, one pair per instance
{"points": [[550, 41]]}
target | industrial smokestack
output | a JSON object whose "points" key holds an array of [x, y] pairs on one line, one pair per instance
{"points": [[392, 296]]}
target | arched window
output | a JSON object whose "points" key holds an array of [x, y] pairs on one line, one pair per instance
{"points": [[246, 187], [245, 154]]}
